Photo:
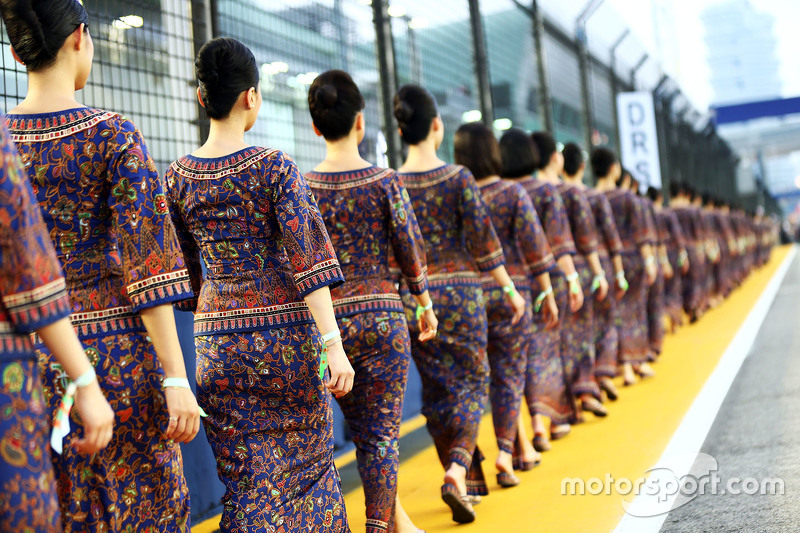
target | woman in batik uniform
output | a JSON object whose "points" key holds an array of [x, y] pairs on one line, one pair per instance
{"points": [[692, 285], [606, 312], [369, 217], [679, 261], [577, 333], [528, 256], [105, 210], [460, 243], [546, 389], [34, 298], [265, 299], [638, 260], [656, 306]]}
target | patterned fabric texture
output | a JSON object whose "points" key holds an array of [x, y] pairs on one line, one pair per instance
{"points": [[106, 212], [460, 242], [28, 500], [253, 220], [270, 427], [379, 349]]}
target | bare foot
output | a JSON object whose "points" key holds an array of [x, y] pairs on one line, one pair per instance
{"points": [[457, 475], [628, 374], [402, 522], [646, 371]]}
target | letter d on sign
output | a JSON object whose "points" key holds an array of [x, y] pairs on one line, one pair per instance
{"points": [[639, 137]]}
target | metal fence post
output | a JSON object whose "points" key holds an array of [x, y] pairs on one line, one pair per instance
{"points": [[615, 85], [203, 29], [388, 78], [481, 63], [545, 96]]}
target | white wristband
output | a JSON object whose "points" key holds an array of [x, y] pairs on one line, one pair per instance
{"points": [[179, 383], [85, 379], [331, 335]]}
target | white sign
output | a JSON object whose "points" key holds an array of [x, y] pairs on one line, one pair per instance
{"points": [[639, 138]]}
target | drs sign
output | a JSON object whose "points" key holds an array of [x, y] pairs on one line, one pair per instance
{"points": [[637, 131]]}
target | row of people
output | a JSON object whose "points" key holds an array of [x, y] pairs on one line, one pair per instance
{"points": [[292, 280]]}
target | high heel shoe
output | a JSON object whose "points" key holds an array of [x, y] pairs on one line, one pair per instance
{"points": [[507, 479], [608, 386], [541, 443], [595, 407]]}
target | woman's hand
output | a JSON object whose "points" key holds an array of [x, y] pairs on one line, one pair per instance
{"points": [[97, 418], [518, 305], [428, 325], [550, 311], [342, 373], [184, 414], [602, 288], [575, 297]]}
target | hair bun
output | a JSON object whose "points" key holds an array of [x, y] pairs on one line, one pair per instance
{"points": [[327, 95], [403, 111]]}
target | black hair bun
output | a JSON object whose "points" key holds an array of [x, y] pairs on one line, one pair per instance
{"points": [[327, 96], [403, 111]]}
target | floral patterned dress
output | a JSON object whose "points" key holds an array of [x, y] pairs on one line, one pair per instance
{"points": [[460, 242], [655, 294], [673, 296], [33, 294], [630, 217], [252, 220], [606, 312], [546, 388], [694, 280], [577, 333], [106, 213], [527, 255], [369, 217]]}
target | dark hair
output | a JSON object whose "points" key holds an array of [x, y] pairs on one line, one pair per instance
{"points": [[414, 108], [38, 29], [573, 159], [475, 147], [225, 69], [602, 161], [334, 102], [675, 189], [546, 145], [654, 194], [519, 154]]}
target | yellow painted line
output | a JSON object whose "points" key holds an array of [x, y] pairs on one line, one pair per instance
{"points": [[412, 424], [627, 443]]}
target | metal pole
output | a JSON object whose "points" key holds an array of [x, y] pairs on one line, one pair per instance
{"points": [[636, 69], [545, 96], [415, 57], [203, 18], [584, 66], [481, 63], [388, 79], [341, 34], [615, 85]]}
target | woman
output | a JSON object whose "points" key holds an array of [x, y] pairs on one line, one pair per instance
{"points": [[460, 242], [656, 307], [264, 301], [369, 217], [638, 261], [104, 208], [607, 322], [528, 256], [546, 389], [679, 261], [577, 334], [34, 298]]}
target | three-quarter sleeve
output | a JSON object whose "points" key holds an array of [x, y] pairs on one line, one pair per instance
{"points": [[32, 286], [584, 231], [188, 245], [556, 222], [641, 233], [481, 238], [408, 247], [608, 227], [530, 236], [151, 258], [305, 239]]}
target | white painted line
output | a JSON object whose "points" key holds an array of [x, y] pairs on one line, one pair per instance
{"points": [[679, 455]]}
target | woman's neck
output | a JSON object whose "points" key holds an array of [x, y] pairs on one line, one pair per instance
{"points": [[422, 157], [549, 175], [577, 179], [486, 180], [225, 137], [605, 184], [342, 156], [49, 91]]}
